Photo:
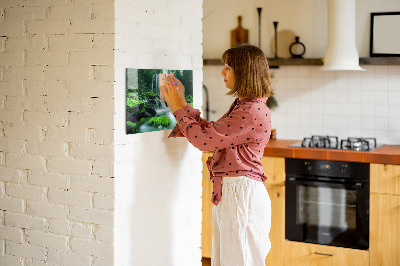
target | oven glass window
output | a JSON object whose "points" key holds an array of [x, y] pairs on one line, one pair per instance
{"points": [[326, 207]]}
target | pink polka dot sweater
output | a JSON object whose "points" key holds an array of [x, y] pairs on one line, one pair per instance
{"points": [[238, 139]]}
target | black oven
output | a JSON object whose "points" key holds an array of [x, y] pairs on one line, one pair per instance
{"points": [[327, 202]]}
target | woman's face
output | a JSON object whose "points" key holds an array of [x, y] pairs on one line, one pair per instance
{"points": [[229, 76]]}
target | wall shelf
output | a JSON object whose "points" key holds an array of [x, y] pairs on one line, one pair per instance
{"points": [[274, 63], [380, 61]]}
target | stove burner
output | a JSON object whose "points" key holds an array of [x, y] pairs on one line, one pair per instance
{"points": [[332, 142], [328, 142], [358, 144]]}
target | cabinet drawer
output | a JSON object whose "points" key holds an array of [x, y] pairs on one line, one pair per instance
{"points": [[385, 178], [305, 254]]}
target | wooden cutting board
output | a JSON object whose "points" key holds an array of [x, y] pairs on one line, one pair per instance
{"points": [[239, 35]]}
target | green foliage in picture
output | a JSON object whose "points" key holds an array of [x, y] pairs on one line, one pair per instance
{"points": [[189, 99], [160, 121], [131, 127], [145, 109]]}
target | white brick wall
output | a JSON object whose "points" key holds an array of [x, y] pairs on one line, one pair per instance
{"points": [[68, 258], [58, 135], [56, 132], [25, 251]]}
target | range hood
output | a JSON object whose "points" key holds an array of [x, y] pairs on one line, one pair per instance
{"points": [[341, 51]]}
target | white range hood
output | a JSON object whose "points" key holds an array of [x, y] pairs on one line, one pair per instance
{"points": [[341, 51]]}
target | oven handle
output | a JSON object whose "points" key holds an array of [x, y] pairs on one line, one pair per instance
{"points": [[357, 185]]}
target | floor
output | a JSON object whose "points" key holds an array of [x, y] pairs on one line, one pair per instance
{"points": [[206, 261]]}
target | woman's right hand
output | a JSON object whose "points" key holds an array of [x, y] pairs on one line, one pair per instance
{"points": [[181, 91]]}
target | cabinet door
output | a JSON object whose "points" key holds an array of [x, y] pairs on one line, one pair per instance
{"points": [[304, 254], [384, 229], [206, 226], [274, 168], [385, 178], [277, 233]]}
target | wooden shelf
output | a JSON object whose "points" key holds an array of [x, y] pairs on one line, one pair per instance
{"points": [[380, 61], [274, 63]]}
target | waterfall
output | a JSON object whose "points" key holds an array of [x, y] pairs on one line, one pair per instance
{"points": [[152, 83], [154, 89]]}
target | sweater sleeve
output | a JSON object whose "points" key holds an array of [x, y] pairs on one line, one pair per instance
{"points": [[231, 130], [193, 113]]}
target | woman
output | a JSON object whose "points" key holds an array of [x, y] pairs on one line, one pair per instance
{"points": [[242, 208]]}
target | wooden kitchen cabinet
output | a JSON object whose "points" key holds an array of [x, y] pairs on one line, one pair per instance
{"points": [[274, 168], [277, 233], [385, 178], [305, 254], [206, 225], [384, 237]]}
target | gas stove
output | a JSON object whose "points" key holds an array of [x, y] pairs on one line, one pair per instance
{"points": [[332, 142]]}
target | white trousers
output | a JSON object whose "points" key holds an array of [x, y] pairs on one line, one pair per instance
{"points": [[241, 223]]}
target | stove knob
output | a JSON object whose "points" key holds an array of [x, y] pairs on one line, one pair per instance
{"points": [[343, 168], [308, 166]]}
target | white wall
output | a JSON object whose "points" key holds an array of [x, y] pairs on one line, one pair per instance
{"points": [[56, 132], [158, 180], [305, 18], [311, 102]]}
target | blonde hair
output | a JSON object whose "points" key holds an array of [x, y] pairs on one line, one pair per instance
{"points": [[250, 66]]}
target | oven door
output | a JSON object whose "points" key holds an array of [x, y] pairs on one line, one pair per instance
{"points": [[327, 213]]}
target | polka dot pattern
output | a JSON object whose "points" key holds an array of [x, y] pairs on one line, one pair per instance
{"points": [[238, 139]]}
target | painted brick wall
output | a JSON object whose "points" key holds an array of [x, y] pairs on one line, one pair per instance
{"points": [[56, 132], [158, 180]]}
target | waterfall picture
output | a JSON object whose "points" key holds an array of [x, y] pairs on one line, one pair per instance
{"points": [[146, 109]]}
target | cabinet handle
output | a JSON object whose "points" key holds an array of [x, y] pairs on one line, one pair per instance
{"points": [[324, 254]]}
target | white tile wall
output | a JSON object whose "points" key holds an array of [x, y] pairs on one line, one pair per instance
{"points": [[312, 102]]}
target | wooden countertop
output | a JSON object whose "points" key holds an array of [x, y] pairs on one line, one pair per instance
{"points": [[389, 154]]}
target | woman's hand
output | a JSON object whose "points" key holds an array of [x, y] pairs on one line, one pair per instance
{"points": [[172, 95], [181, 91]]}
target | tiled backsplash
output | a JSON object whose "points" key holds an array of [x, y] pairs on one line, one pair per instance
{"points": [[314, 102]]}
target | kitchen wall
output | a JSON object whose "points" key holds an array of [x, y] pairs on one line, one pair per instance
{"points": [[158, 180], [56, 132], [343, 103], [304, 18]]}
